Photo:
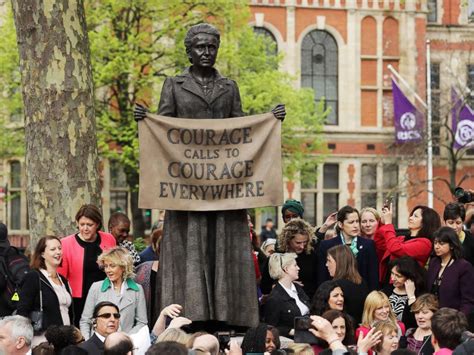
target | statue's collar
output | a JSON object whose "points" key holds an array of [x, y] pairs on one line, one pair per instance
{"points": [[186, 74]]}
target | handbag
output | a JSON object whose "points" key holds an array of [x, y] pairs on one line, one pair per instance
{"points": [[37, 317]]}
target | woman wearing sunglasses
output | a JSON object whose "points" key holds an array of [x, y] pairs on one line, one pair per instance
{"points": [[118, 288]]}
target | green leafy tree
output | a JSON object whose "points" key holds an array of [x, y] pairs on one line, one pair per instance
{"points": [[136, 44], [12, 142]]}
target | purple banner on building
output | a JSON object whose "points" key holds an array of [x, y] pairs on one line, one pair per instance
{"points": [[462, 122], [408, 120]]}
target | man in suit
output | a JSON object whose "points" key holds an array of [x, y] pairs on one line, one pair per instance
{"points": [[106, 320], [348, 230]]}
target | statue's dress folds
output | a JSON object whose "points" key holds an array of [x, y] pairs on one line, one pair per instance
{"points": [[206, 260]]}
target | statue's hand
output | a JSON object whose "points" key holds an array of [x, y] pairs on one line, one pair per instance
{"points": [[279, 112], [139, 112]]}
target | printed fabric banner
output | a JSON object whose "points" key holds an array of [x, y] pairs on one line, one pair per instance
{"points": [[463, 122], [407, 119], [210, 164]]}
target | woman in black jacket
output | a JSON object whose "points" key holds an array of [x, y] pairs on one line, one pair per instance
{"points": [[287, 299], [43, 280]]}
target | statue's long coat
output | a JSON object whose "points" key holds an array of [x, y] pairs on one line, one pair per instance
{"points": [[206, 262]]}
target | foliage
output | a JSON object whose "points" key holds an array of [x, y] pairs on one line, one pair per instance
{"points": [[135, 44], [11, 132], [140, 244]]}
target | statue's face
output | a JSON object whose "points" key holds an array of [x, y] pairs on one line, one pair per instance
{"points": [[203, 51]]}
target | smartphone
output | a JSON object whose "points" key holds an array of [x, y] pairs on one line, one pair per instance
{"points": [[387, 202]]}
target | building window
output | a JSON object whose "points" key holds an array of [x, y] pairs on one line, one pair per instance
{"points": [[368, 185], [270, 40], [375, 191], [432, 11], [15, 195], [435, 107], [320, 197], [118, 188], [319, 70], [390, 188], [331, 189]]}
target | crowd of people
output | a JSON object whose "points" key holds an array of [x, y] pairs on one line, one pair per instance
{"points": [[350, 286]]}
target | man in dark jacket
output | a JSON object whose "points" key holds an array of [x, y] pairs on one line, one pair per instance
{"points": [[105, 321]]}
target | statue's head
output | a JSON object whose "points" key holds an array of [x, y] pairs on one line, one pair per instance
{"points": [[202, 28]]}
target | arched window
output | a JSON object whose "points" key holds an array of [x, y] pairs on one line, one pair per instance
{"points": [[272, 46], [319, 69]]}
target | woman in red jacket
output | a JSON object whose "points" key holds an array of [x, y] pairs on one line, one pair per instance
{"points": [[80, 251], [422, 223]]}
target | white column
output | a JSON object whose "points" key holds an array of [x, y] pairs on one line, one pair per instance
{"points": [[290, 58], [349, 75]]}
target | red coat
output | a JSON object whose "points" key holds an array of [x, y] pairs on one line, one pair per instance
{"points": [[73, 260], [390, 247]]}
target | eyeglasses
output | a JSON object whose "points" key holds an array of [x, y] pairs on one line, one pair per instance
{"points": [[108, 315]]}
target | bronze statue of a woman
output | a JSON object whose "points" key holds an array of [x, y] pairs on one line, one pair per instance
{"points": [[206, 262]]}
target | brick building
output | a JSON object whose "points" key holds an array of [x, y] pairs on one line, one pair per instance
{"points": [[342, 48]]}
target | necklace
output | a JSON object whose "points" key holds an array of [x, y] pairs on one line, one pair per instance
{"points": [[207, 84]]}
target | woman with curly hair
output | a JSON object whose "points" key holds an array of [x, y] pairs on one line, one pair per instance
{"points": [[118, 288], [408, 282], [260, 339], [328, 296], [296, 237]]}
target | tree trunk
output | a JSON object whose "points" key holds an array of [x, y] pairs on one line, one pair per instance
{"points": [[137, 213], [60, 130]]}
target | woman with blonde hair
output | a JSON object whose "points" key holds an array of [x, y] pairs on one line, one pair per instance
{"points": [[390, 337], [118, 288], [296, 237], [369, 222], [342, 266], [287, 299], [301, 349], [174, 334], [377, 308]]}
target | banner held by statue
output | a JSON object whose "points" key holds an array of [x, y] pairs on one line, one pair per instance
{"points": [[210, 164]]}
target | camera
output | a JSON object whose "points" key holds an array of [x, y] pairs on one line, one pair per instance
{"points": [[224, 340], [302, 333], [302, 323], [462, 195]]}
